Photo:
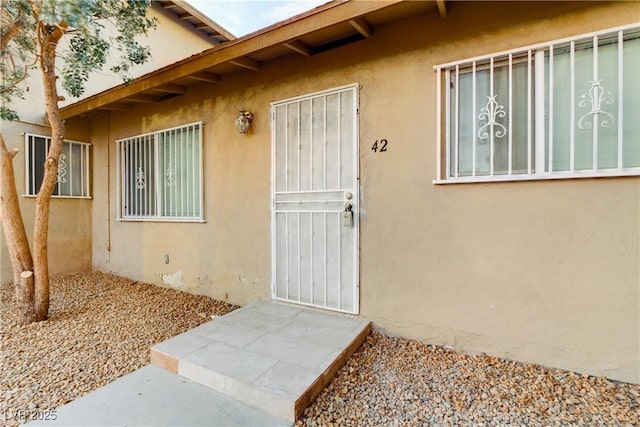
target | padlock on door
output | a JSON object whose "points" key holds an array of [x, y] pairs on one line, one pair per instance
{"points": [[347, 215]]}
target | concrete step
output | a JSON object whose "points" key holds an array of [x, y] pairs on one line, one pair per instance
{"points": [[271, 356]]}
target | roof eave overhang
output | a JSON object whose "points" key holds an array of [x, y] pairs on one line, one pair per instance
{"points": [[277, 34]]}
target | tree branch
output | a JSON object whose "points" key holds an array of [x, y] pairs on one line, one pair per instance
{"points": [[13, 31], [25, 74]]}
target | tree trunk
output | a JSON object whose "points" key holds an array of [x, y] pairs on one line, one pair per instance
{"points": [[16, 237], [49, 38]]}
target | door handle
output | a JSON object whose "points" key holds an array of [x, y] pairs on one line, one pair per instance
{"points": [[347, 215]]}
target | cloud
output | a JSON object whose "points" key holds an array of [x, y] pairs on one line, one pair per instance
{"points": [[245, 16], [286, 9]]}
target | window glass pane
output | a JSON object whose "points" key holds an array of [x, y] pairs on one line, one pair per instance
{"points": [[146, 158], [465, 125], [520, 110], [605, 97], [490, 120], [161, 175], [560, 86], [38, 152], [195, 190], [71, 177], [479, 132], [180, 179], [64, 175], [631, 101], [75, 164], [168, 176], [139, 178], [596, 104], [498, 110], [583, 123], [130, 179], [589, 108]]}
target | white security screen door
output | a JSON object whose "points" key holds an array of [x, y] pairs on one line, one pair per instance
{"points": [[315, 200]]}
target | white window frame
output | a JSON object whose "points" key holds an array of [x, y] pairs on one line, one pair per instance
{"points": [[122, 171], [537, 134], [64, 171]]}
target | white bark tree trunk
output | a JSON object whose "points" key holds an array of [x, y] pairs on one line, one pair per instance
{"points": [[49, 38], [16, 237], [31, 268]]}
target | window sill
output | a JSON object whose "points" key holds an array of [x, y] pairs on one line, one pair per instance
{"points": [[546, 177], [181, 220], [33, 196]]}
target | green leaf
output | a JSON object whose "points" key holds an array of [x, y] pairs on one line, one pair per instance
{"points": [[88, 47]]}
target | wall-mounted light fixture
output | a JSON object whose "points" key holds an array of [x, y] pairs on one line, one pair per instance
{"points": [[243, 122]]}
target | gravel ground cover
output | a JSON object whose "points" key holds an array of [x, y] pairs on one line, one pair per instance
{"points": [[399, 382], [100, 328]]}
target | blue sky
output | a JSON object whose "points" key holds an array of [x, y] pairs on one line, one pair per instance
{"points": [[241, 17]]}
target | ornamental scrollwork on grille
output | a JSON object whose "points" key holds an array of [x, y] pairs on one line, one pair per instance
{"points": [[595, 98], [140, 182], [488, 120], [61, 176], [170, 176]]}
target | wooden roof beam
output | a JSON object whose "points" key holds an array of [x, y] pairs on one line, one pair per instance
{"points": [[117, 106], [246, 62], [442, 7], [170, 6], [146, 99], [171, 88], [300, 47], [362, 27], [205, 76]]}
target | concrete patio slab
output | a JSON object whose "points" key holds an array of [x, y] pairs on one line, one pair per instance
{"points": [[272, 356], [152, 396]]}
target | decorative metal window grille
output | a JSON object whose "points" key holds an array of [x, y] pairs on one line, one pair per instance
{"points": [[160, 175], [72, 179], [567, 108]]}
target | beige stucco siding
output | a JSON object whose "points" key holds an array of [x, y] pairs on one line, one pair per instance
{"points": [[70, 226], [70, 219], [544, 271], [228, 255]]}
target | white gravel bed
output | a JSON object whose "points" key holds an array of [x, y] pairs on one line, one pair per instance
{"points": [[399, 382], [100, 328]]}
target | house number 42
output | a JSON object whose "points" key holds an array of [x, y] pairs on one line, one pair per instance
{"points": [[379, 146]]}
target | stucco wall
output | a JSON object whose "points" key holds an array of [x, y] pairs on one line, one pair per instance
{"points": [[542, 271], [70, 219], [70, 227]]}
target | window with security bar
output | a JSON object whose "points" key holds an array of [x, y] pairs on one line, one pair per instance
{"points": [[567, 108], [160, 175], [72, 178]]}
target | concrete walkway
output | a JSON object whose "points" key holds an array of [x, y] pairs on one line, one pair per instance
{"points": [[260, 365], [152, 396]]}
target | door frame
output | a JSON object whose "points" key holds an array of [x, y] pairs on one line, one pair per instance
{"points": [[356, 193]]}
